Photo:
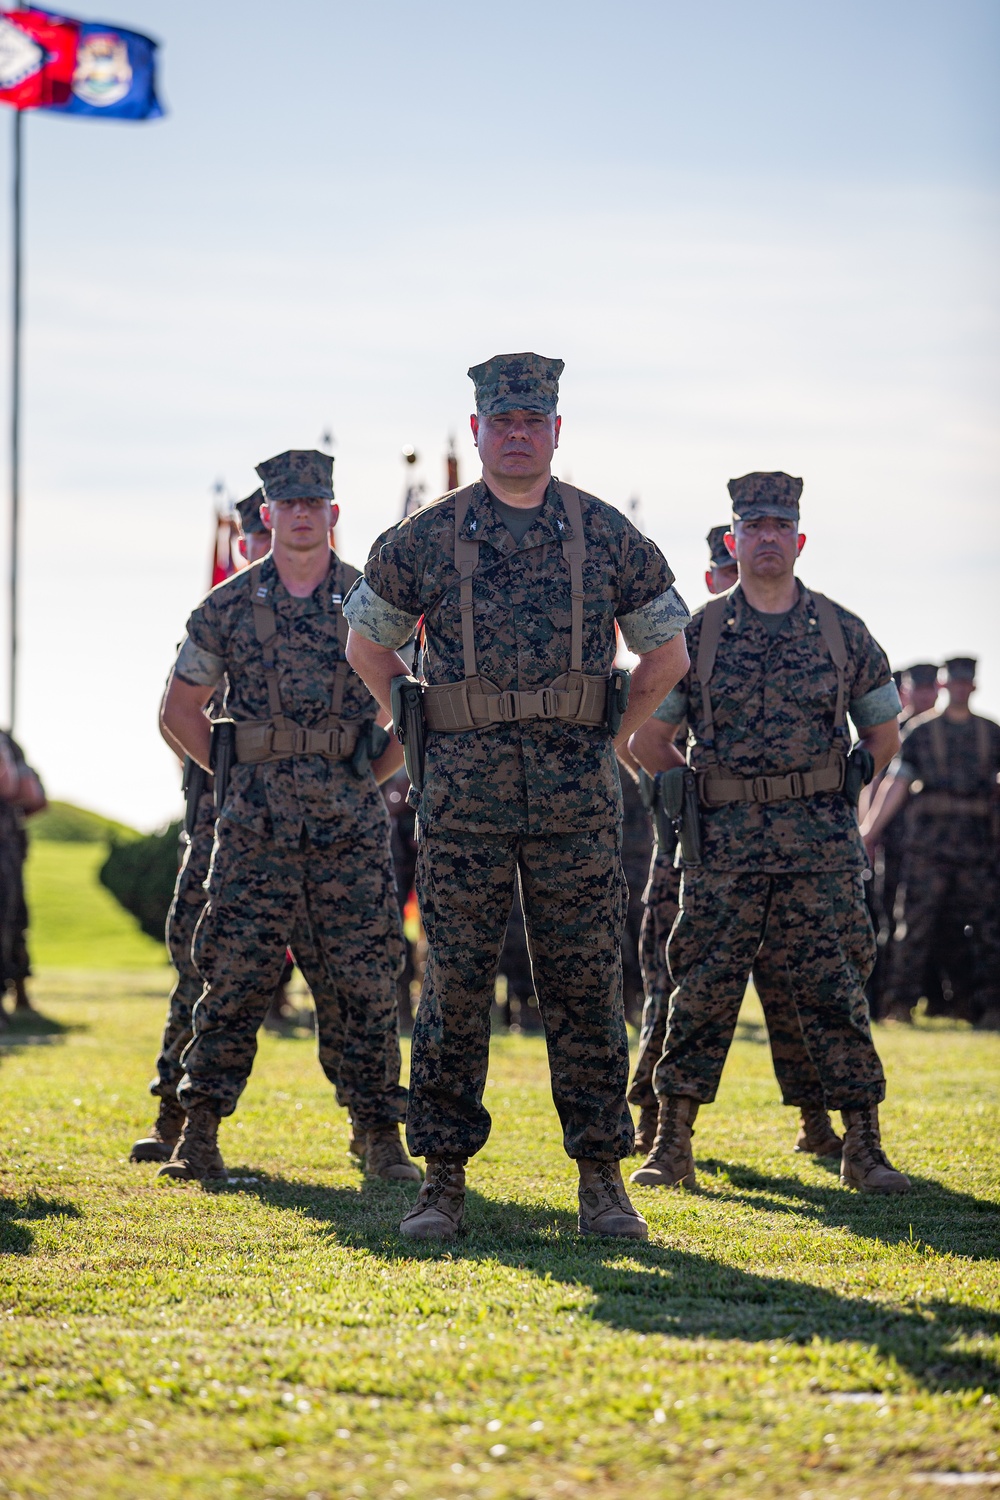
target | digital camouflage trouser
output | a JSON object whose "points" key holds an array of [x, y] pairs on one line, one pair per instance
{"points": [[793, 1067], [573, 894], [182, 919], [336, 908], [830, 949], [961, 897]]}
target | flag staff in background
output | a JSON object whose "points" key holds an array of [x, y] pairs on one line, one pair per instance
{"points": [[66, 66]]}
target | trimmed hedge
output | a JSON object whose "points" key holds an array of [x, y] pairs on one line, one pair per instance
{"points": [[141, 875]]}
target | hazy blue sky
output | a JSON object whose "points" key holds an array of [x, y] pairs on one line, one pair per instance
{"points": [[761, 236]]}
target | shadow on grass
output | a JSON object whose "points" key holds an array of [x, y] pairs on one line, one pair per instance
{"points": [[931, 1215], [16, 1214], [655, 1290], [29, 1028]]}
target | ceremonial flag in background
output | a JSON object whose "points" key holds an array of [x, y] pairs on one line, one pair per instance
{"points": [[114, 76], [38, 54], [73, 67]]}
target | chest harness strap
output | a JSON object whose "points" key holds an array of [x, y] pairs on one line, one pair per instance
{"points": [[715, 787], [264, 740], [475, 702]]}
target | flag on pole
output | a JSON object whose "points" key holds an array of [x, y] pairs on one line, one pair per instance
{"points": [[223, 558], [37, 58], [114, 76]]}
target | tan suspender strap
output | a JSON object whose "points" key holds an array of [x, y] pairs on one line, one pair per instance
{"points": [[574, 550], [833, 637], [712, 617], [266, 628], [466, 562], [342, 578]]}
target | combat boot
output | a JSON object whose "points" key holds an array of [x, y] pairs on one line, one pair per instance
{"points": [[356, 1145], [384, 1155], [437, 1213], [645, 1131], [864, 1165], [670, 1163], [158, 1145], [196, 1156], [604, 1203], [816, 1133]]}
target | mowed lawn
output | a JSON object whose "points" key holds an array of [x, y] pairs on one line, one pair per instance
{"points": [[777, 1336]]}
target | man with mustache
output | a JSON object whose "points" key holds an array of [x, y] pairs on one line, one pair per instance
{"points": [[776, 669]]}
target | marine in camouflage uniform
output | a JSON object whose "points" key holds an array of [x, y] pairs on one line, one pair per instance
{"points": [[765, 703], [797, 1077], [521, 781], [945, 780], [301, 853], [28, 798]]}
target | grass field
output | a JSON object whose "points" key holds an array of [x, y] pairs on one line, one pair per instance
{"points": [[75, 922], [276, 1337]]}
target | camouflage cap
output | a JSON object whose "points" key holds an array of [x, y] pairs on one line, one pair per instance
{"points": [[922, 674], [717, 554], [961, 668], [756, 495], [516, 382], [299, 474], [248, 511]]}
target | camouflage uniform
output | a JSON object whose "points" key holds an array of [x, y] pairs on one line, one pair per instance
{"points": [[536, 801], [949, 874], [15, 964], [796, 860], [301, 858]]}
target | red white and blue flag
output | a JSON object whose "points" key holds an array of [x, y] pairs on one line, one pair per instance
{"points": [[75, 67]]}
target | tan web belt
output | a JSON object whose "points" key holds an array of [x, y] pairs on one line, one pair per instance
{"points": [[951, 805], [475, 703], [715, 789], [258, 742]]}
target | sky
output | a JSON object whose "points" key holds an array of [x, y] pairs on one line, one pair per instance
{"points": [[760, 236]]}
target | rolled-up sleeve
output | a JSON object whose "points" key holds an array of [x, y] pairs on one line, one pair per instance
{"points": [[876, 707], [655, 623], [197, 665], [376, 619]]}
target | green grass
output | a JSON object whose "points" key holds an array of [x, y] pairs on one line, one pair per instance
{"points": [[75, 922], [777, 1336], [62, 822]]}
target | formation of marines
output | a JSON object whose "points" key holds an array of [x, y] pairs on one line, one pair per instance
{"points": [[755, 727]]}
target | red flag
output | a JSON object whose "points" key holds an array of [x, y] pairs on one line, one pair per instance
{"points": [[223, 562], [37, 58]]}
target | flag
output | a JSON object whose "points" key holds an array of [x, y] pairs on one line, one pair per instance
{"points": [[37, 58], [223, 564], [114, 76]]}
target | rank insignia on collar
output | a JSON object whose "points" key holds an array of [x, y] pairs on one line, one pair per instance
{"points": [[336, 598], [561, 524], [473, 524], [262, 591]]}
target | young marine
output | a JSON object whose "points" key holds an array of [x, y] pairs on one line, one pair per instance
{"points": [[519, 580], [301, 852], [776, 670], [793, 1067]]}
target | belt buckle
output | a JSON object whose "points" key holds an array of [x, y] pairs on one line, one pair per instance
{"points": [[508, 706], [299, 741], [796, 786], [760, 787], [548, 709]]}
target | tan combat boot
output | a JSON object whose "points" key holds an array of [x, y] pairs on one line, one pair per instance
{"points": [[670, 1163], [604, 1203], [864, 1165], [196, 1156], [437, 1213], [816, 1133], [384, 1155], [645, 1131], [162, 1138], [356, 1145]]}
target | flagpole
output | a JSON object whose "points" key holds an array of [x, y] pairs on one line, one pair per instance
{"points": [[15, 419]]}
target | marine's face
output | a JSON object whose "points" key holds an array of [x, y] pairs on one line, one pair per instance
{"points": [[299, 525], [960, 690], [767, 546], [517, 444], [256, 545], [719, 580], [922, 699]]}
